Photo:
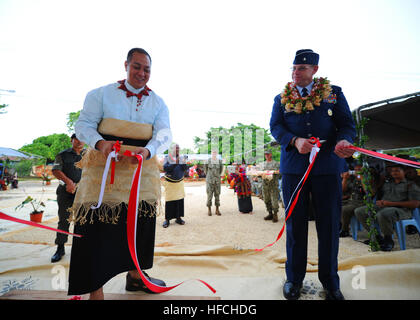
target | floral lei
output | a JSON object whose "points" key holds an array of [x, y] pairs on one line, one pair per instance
{"points": [[292, 100]]}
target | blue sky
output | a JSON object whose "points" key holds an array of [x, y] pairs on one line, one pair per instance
{"points": [[215, 63]]}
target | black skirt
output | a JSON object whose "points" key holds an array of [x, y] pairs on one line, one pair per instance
{"points": [[102, 252], [245, 204], [174, 209]]}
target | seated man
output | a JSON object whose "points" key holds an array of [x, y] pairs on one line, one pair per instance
{"points": [[353, 194], [399, 198], [412, 176], [354, 190]]}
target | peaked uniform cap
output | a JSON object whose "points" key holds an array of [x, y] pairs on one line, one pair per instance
{"points": [[306, 56]]}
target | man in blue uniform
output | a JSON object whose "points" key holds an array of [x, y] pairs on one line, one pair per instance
{"points": [[310, 107]]}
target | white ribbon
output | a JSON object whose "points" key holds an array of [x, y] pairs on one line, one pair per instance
{"points": [[111, 155], [314, 151]]}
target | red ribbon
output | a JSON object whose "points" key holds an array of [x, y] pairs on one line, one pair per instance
{"points": [[34, 224], [316, 142], [132, 228], [116, 147], [386, 157]]}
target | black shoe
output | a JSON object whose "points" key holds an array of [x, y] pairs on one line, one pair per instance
{"points": [[388, 245], [379, 238], [180, 221], [132, 284], [333, 295], [165, 223], [344, 234], [291, 291], [269, 216], [58, 254]]}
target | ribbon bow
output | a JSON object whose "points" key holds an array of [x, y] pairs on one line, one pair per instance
{"points": [[315, 149], [315, 141], [116, 148], [144, 92]]}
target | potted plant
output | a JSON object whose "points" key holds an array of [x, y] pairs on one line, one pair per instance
{"points": [[36, 214], [46, 178]]}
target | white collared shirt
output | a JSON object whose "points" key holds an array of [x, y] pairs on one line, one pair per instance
{"points": [[308, 87], [110, 102]]}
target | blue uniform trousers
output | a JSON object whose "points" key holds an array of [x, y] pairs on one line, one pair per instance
{"points": [[326, 196]]}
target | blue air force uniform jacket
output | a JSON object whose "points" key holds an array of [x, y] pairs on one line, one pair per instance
{"points": [[331, 121]]}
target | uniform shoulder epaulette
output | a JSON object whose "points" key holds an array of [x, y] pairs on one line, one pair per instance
{"points": [[336, 89]]}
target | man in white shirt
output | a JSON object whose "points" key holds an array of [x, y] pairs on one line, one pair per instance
{"points": [[130, 112], [109, 102]]}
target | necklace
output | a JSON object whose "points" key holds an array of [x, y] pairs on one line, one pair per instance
{"points": [[293, 101]]}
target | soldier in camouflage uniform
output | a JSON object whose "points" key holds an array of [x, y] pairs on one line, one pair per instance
{"points": [[270, 187], [213, 170]]}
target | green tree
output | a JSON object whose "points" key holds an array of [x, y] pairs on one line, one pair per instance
{"points": [[243, 142], [71, 120], [413, 152], [24, 167], [48, 146]]}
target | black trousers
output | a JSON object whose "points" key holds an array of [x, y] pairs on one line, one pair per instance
{"points": [[326, 199], [64, 200], [102, 252], [245, 204], [174, 209]]}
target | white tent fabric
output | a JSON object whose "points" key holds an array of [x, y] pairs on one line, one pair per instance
{"points": [[12, 154]]}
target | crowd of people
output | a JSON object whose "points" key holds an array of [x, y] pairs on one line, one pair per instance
{"points": [[261, 180]]}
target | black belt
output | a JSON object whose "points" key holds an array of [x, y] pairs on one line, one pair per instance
{"points": [[126, 141]]}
